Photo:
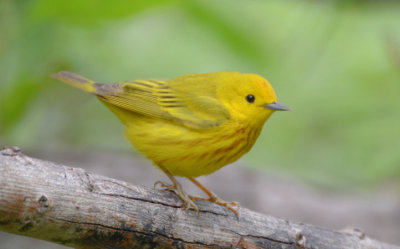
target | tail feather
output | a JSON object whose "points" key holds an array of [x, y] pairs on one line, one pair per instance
{"points": [[77, 81]]}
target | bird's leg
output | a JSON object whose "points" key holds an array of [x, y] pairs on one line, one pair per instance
{"points": [[233, 206], [177, 188]]}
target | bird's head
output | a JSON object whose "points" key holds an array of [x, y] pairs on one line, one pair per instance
{"points": [[250, 97]]}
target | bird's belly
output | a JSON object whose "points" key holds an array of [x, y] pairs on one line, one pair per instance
{"points": [[190, 153]]}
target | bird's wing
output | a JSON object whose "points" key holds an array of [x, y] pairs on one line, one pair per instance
{"points": [[158, 99]]}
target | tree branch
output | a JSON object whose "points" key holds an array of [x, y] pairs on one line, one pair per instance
{"points": [[72, 207]]}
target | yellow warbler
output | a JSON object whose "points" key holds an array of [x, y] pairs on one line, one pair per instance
{"points": [[191, 125]]}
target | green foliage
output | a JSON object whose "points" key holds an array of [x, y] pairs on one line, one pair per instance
{"points": [[90, 11], [335, 62]]}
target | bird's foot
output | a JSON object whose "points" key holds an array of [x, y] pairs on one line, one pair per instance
{"points": [[233, 206], [178, 190]]}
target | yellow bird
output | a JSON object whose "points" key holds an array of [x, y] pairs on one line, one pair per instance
{"points": [[191, 125]]}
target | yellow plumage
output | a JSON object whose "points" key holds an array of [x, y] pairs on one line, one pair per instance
{"points": [[191, 125]]}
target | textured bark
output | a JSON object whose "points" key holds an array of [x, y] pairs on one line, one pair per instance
{"points": [[72, 207]]}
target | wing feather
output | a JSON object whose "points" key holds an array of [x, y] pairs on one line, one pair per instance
{"points": [[156, 98]]}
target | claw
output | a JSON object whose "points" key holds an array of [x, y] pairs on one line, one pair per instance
{"points": [[215, 199], [233, 206], [163, 185], [178, 190], [188, 201]]}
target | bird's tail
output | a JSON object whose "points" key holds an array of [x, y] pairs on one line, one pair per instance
{"points": [[77, 81]]}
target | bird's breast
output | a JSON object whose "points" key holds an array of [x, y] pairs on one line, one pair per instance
{"points": [[191, 153]]}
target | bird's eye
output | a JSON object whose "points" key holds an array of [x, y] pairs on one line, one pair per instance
{"points": [[250, 98]]}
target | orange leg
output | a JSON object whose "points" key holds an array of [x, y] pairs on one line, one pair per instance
{"points": [[177, 188], [233, 206]]}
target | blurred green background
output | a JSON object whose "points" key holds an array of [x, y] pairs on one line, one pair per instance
{"points": [[336, 63]]}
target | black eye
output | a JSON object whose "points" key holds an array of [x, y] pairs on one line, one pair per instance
{"points": [[250, 98]]}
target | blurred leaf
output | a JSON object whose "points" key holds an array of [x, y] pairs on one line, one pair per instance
{"points": [[242, 42], [393, 49], [90, 11], [15, 103]]}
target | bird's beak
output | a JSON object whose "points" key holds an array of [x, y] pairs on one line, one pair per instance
{"points": [[277, 107]]}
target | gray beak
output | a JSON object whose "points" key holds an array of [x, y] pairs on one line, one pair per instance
{"points": [[277, 107]]}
